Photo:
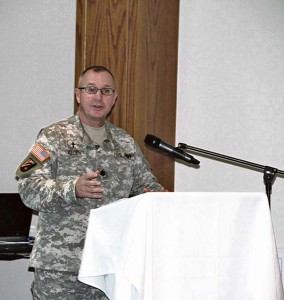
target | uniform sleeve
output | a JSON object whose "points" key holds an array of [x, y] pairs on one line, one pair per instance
{"points": [[143, 175], [37, 182]]}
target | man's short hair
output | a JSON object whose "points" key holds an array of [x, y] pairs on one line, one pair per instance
{"points": [[97, 69]]}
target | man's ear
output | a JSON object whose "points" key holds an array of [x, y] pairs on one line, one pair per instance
{"points": [[115, 99], [77, 94]]}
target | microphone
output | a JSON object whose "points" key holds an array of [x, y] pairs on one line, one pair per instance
{"points": [[155, 142]]}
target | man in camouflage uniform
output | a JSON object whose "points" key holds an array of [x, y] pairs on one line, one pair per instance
{"points": [[75, 165]]}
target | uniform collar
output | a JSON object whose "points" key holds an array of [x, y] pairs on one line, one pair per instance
{"points": [[108, 144]]}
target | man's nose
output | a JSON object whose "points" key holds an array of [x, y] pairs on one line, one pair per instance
{"points": [[99, 94]]}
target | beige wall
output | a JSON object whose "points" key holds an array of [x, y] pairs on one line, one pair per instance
{"points": [[230, 95], [37, 78]]}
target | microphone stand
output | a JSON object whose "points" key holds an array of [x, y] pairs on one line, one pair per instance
{"points": [[269, 173]]}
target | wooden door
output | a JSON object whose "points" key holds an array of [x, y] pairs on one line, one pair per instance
{"points": [[138, 41]]}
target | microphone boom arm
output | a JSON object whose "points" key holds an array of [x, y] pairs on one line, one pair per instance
{"points": [[269, 172]]}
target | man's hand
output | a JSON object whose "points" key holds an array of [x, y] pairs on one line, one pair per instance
{"points": [[87, 186]]}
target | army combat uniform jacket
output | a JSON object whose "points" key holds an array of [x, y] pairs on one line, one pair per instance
{"points": [[62, 152]]}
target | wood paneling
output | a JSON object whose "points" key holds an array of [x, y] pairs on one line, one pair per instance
{"points": [[138, 41]]}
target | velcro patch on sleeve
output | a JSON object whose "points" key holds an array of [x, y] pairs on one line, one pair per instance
{"points": [[27, 165], [40, 153], [34, 161]]}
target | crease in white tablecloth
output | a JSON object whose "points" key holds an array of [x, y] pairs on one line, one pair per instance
{"points": [[114, 257], [186, 236]]}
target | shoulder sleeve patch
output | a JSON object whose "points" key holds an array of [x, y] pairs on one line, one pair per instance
{"points": [[40, 153], [28, 164], [37, 156]]}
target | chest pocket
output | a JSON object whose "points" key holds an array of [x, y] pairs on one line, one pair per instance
{"points": [[117, 170], [74, 162]]}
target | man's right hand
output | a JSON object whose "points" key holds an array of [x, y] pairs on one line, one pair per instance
{"points": [[87, 186]]}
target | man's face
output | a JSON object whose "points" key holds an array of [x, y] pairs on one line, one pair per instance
{"points": [[94, 108]]}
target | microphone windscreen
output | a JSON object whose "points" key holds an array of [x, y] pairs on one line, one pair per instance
{"points": [[152, 140]]}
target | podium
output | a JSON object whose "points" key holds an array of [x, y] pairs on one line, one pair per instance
{"points": [[192, 246]]}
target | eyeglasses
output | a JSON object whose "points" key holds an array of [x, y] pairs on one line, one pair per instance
{"points": [[106, 91]]}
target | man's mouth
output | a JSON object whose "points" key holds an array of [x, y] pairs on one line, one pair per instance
{"points": [[97, 106]]}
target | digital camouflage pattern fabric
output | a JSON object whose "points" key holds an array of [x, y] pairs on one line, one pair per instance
{"points": [[62, 286], [47, 185]]}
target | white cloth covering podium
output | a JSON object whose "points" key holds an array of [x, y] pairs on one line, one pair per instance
{"points": [[192, 246]]}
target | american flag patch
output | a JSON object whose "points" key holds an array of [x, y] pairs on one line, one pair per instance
{"points": [[40, 153]]}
